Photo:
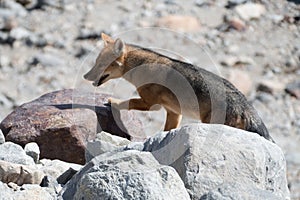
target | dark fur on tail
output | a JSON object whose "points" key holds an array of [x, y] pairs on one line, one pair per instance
{"points": [[256, 125]]}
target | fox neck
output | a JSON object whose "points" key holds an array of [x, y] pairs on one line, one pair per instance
{"points": [[138, 59]]}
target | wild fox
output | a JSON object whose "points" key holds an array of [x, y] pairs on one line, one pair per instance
{"points": [[164, 81]]}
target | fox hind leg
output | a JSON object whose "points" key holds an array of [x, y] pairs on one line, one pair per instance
{"points": [[173, 120]]}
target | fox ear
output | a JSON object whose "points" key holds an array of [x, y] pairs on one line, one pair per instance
{"points": [[106, 38], [119, 47]]}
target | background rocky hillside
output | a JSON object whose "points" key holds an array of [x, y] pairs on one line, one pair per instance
{"points": [[48, 45]]}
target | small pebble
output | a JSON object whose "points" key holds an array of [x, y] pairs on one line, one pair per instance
{"points": [[293, 89]]}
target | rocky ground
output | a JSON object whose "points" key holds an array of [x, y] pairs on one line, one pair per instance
{"points": [[48, 45], [196, 161]]}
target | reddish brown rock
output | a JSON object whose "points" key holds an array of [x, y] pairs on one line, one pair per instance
{"points": [[62, 122], [179, 23], [237, 24]]}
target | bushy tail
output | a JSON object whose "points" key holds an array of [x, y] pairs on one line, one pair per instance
{"points": [[256, 125]]}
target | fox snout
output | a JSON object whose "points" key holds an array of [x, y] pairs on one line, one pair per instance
{"points": [[92, 75], [97, 79], [88, 77]]}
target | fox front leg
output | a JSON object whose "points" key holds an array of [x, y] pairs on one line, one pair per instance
{"points": [[132, 104]]}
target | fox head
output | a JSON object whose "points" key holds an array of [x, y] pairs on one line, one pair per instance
{"points": [[109, 63]]}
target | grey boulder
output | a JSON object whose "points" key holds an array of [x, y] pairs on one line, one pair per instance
{"points": [[14, 153], [207, 156], [103, 143], [125, 175]]}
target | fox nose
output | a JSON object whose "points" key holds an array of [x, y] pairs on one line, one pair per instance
{"points": [[96, 83]]}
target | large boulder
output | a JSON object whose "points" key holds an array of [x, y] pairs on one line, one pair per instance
{"points": [[208, 156], [125, 175], [62, 122]]}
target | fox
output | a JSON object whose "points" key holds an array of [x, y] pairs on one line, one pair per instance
{"points": [[179, 87]]}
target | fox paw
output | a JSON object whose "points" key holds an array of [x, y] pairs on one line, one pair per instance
{"points": [[116, 103]]}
